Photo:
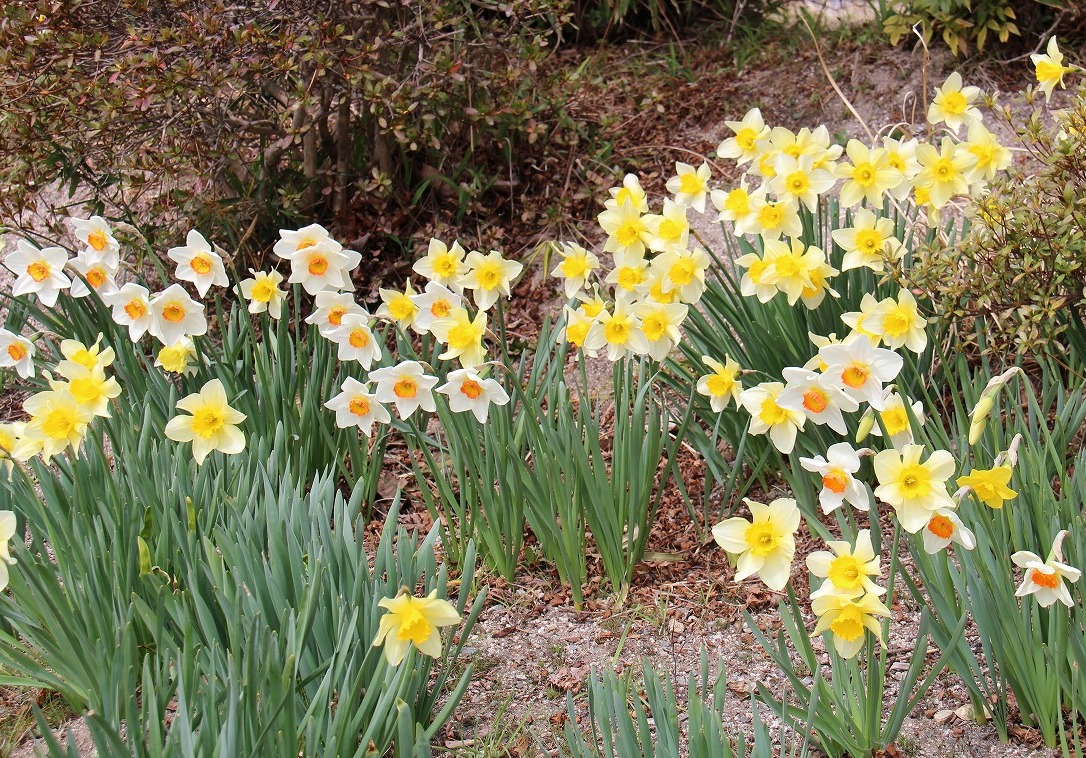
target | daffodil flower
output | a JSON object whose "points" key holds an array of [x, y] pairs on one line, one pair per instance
{"points": [[816, 396], [869, 242], [849, 619], [198, 262], [723, 385], [17, 352], [399, 307], [953, 104], [356, 406], [175, 315], [93, 276], [576, 266], [630, 190], [132, 308], [915, 490], [462, 336], [869, 176], [767, 415], [331, 308], [317, 261], [407, 386], [743, 146], [1049, 68], [990, 485], [355, 341], [442, 264], [860, 370], [413, 621], [847, 569], [766, 544], [263, 293], [839, 484], [1044, 578], [943, 528], [468, 391], [96, 234], [690, 185], [895, 417], [57, 420], [489, 277], [38, 272], [211, 423], [178, 358]]}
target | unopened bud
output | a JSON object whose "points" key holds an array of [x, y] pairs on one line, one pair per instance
{"points": [[867, 422]]}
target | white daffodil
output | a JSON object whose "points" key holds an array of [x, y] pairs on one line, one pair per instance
{"points": [[468, 391], [17, 352], [355, 340], [38, 272], [198, 262], [818, 397], [331, 308], [839, 484], [132, 308], [175, 315], [945, 527], [1044, 578], [860, 369], [407, 386], [355, 406]]}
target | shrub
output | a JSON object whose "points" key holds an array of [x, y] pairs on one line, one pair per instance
{"points": [[267, 114], [1021, 268], [962, 23]]}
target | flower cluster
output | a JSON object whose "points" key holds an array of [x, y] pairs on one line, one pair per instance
{"points": [[776, 199], [638, 306]]}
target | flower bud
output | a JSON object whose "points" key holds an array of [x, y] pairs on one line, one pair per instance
{"points": [[867, 422]]}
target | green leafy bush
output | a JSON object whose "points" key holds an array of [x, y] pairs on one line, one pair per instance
{"points": [[963, 23], [1021, 268], [267, 114]]}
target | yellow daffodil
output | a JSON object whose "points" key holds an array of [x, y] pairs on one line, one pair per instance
{"points": [[953, 104], [263, 293], [899, 323], [398, 307], [869, 175], [576, 266], [462, 336], [669, 230], [990, 485], [1049, 68], [630, 190], [915, 490], [211, 425], [869, 242], [442, 264], [57, 420], [413, 621], [489, 277], [849, 619], [690, 185], [626, 230], [944, 171], [847, 569], [743, 146], [723, 385], [768, 417], [178, 358], [766, 544]]}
